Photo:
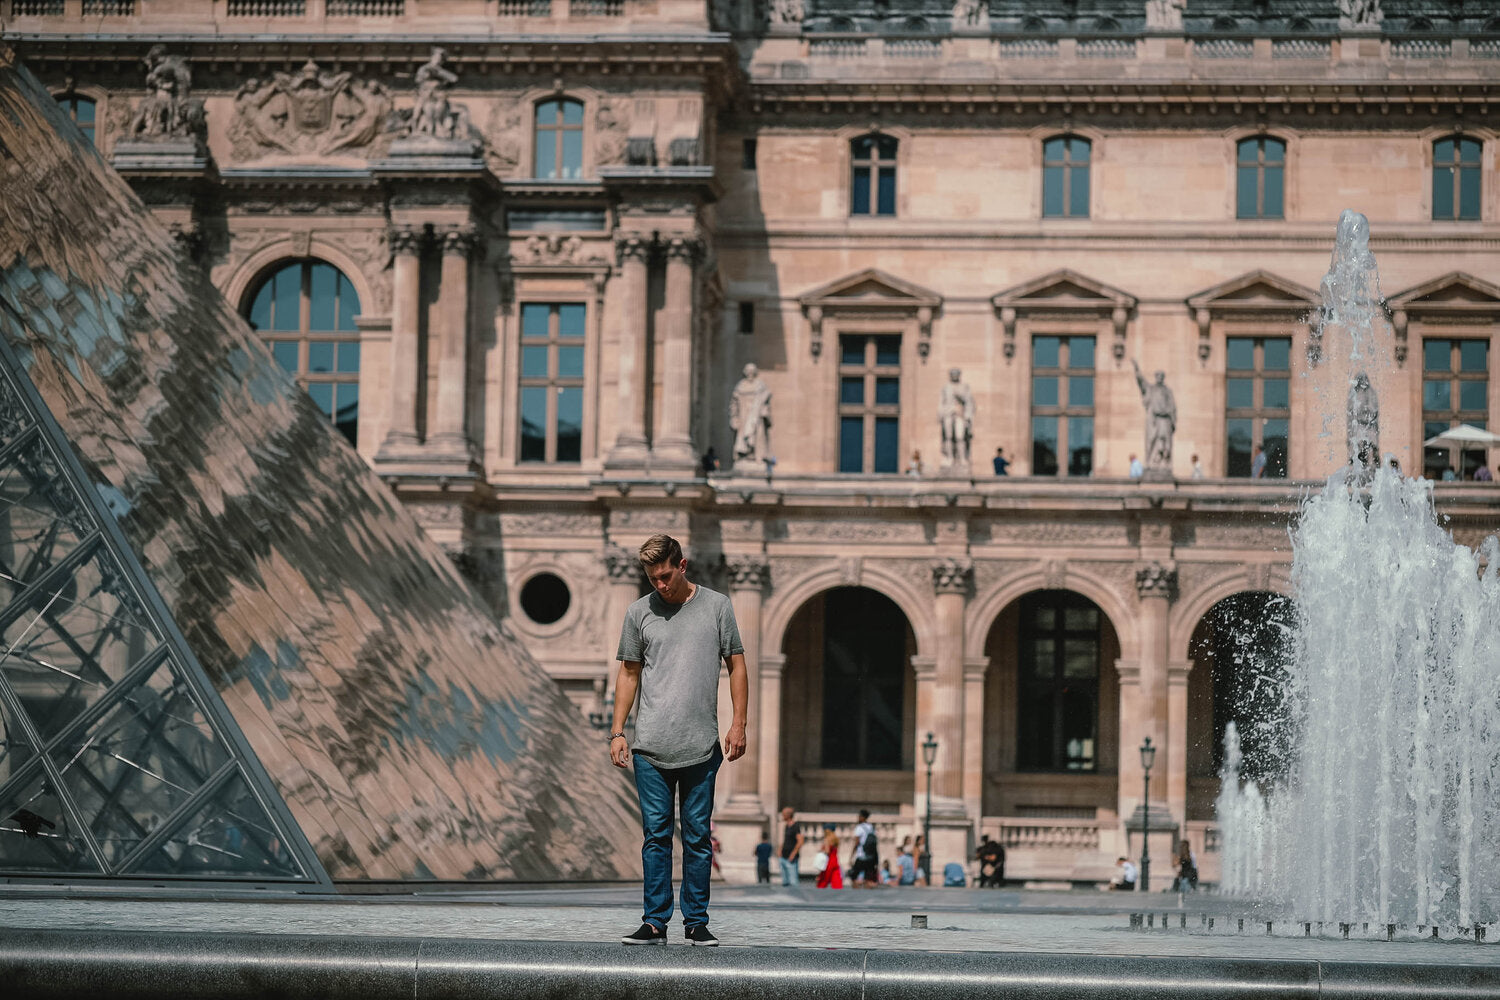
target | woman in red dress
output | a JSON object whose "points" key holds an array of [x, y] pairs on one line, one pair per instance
{"points": [[831, 877]]}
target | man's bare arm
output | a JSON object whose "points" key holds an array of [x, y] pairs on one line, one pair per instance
{"points": [[739, 697], [627, 683]]}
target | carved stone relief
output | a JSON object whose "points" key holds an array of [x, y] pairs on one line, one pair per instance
{"points": [[584, 626], [644, 521], [853, 531], [312, 111], [611, 131], [370, 248], [549, 523], [504, 135], [1058, 532], [1242, 536], [554, 248]]}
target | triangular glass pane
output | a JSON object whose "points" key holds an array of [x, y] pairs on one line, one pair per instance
{"points": [[35, 834], [230, 835], [40, 521], [16, 750], [139, 762], [73, 643], [14, 419]]}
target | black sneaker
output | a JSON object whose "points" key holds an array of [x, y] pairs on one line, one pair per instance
{"points": [[700, 935], [647, 933]]}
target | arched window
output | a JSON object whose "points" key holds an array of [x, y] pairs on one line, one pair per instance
{"points": [[1260, 178], [1058, 682], [305, 311], [81, 110], [872, 189], [1455, 178], [1065, 177], [559, 139]]}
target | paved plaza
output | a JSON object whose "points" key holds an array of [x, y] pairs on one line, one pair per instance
{"points": [[967, 920]]}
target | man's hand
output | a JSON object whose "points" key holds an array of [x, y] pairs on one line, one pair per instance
{"points": [[734, 742], [619, 752]]}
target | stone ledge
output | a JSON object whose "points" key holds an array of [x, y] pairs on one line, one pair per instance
{"points": [[44, 964]]}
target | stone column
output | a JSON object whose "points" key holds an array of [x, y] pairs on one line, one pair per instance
{"points": [[623, 568], [924, 669], [973, 756], [1176, 747], [629, 449], [673, 452], [449, 432], [1156, 585], [950, 584], [747, 578], [406, 303], [769, 702]]}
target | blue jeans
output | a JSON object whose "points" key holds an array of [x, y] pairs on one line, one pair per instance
{"points": [[658, 788], [789, 873]]}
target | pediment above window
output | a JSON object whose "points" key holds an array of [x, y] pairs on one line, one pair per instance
{"points": [[1255, 292], [1454, 297], [874, 294], [1066, 292]]}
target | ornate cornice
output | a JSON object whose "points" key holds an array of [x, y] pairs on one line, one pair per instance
{"points": [[747, 572], [461, 241], [405, 240], [632, 248], [685, 248], [1156, 580], [952, 576]]}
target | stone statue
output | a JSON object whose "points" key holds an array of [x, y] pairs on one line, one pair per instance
{"points": [[168, 111], [750, 418], [433, 114], [1359, 13], [787, 11], [1161, 421], [956, 420], [1363, 426], [1165, 15], [970, 13]]}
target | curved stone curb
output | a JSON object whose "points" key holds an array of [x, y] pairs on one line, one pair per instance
{"points": [[48, 964]]}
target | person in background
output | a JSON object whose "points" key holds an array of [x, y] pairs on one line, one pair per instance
{"points": [[1137, 470], [1449, 475], [906, 864], [831, 877], [763, 858], [710, 462], [918, 850], [914, 467], [1002, 464], [886, 878], [1482, 475], [864, 859], [791, 847], [1125, 880], [1258, 463], [1197, 468], [1187, 868]]}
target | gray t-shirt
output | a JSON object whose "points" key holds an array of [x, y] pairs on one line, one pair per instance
{"points": [[681, 650]]}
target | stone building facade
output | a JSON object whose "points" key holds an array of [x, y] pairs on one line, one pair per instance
{"points": [[525, 273]]}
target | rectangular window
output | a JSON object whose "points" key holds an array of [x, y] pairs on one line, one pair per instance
{"points": [[747, 317], [1065, 177], [1257, 405], [553, 339], [1058, 683], [1259, 178], [747, 154], [1455, 390], [1456, 179], [872, 188], [869, 403], [1062, 405]]}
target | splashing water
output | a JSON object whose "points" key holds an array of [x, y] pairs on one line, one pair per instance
{"points": [[1389, 808]]}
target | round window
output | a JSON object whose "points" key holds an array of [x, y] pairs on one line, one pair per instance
{"points": [[545, 598]]}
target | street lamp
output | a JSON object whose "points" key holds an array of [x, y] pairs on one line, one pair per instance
{"points": [[929, 757], [1148, 757]]}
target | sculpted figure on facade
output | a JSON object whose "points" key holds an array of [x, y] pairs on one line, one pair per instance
{"points": [[1165, 15], [611, 131], [312, 111], [168, 111], [956, 420], [434, 116], [1359, 13], [788, 11], [1161, 420], [971, 13], [504, 134], [750, 419], [1362, 425]]}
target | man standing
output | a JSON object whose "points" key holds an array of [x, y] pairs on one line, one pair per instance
{"points": [[1002, 464], [791, 847], [671, 645], [864, 860]]}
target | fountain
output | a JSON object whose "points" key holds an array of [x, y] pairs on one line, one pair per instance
{"points": [[1388, 805]]}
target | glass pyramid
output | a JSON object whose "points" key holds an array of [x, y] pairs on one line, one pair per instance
{"points": [[117, 758]]}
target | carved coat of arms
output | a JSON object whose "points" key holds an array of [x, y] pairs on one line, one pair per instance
{"points": [[312, 111]]}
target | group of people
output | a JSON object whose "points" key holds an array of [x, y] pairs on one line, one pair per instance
{"points": [[1186, 879], [864, 866]]}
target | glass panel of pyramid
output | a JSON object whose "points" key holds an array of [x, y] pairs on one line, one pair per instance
{"points": [[34, 535], [139, 763], [227, 836], [36, 834]]}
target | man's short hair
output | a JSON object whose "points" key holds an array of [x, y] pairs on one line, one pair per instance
{"points": [[659, 549], [864, 814]]}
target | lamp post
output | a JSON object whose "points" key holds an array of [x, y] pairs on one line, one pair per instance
{"points": [[1148, 757], [929, 757]]}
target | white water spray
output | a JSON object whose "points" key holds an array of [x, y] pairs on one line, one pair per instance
{"points": [[1389, 810]]}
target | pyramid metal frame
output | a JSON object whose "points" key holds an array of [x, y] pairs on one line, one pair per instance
{"points": [[25, 422]]}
